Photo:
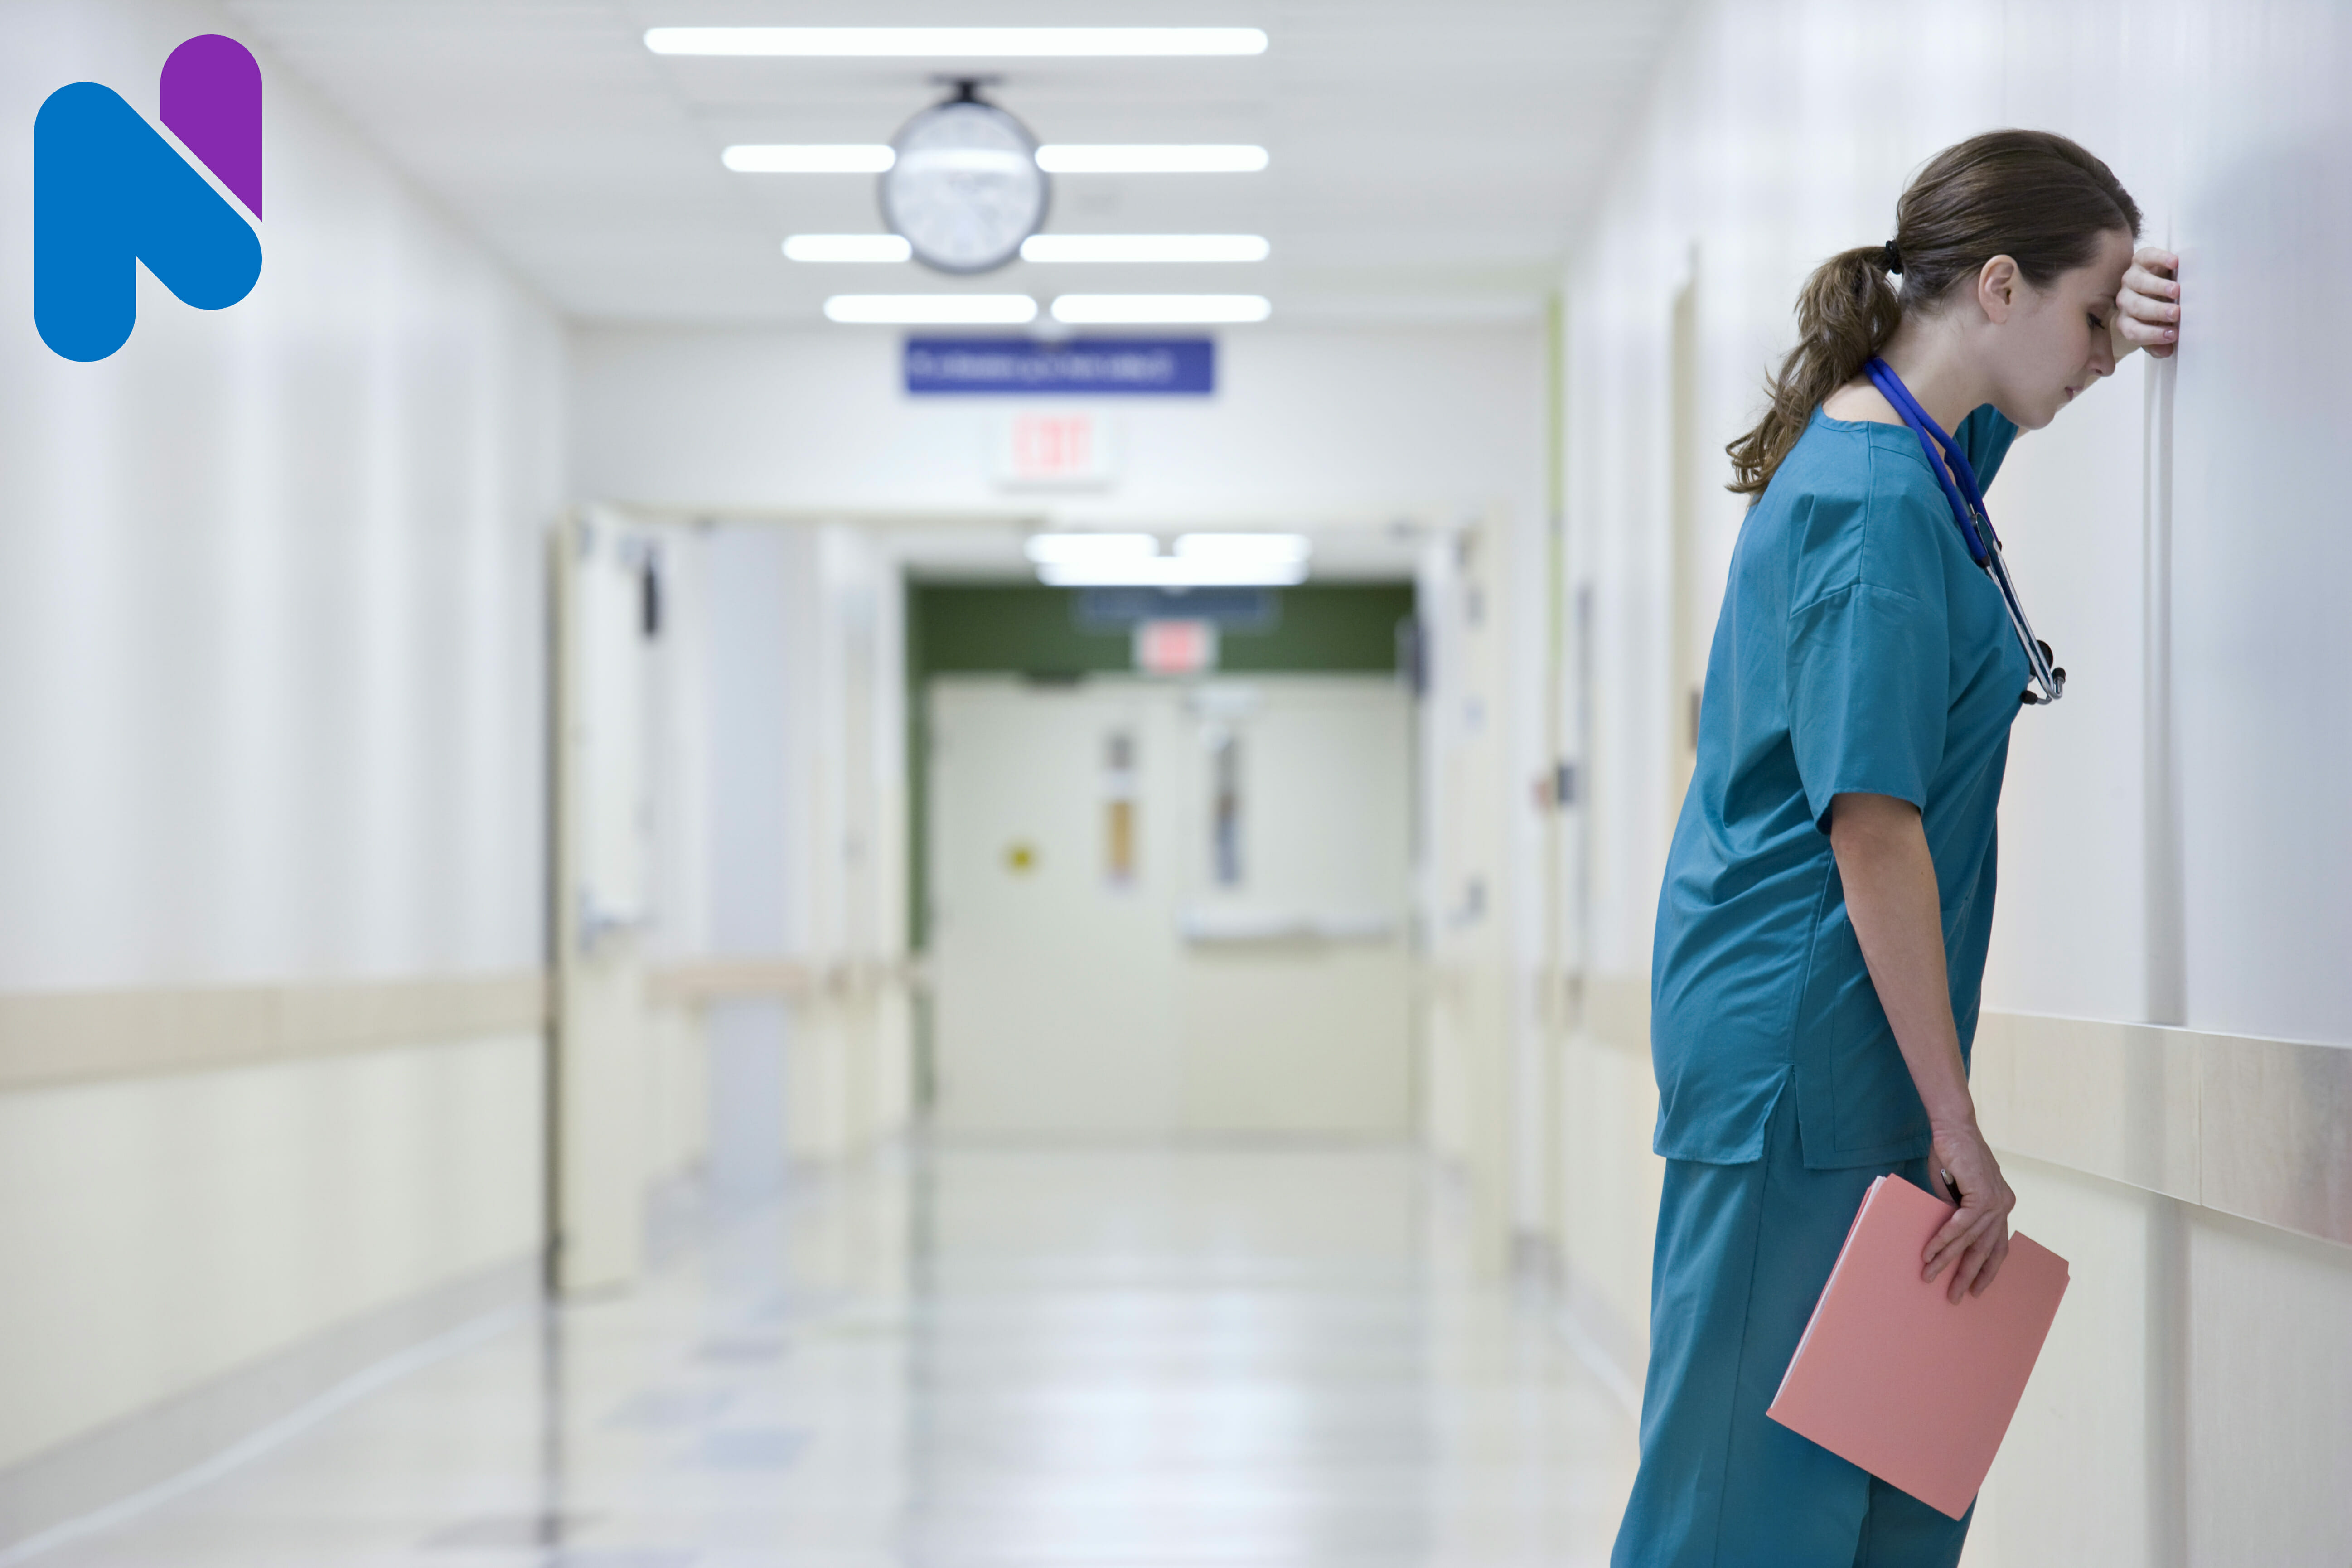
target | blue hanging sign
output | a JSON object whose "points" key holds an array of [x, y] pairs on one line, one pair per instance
{"points": [[1079, 367]]}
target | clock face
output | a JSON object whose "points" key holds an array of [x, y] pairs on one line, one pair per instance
{"points": [[966, 189]]}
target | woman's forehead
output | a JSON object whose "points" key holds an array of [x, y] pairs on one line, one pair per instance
{"points": [[2106, 270]]}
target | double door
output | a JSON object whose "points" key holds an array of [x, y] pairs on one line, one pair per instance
{"points": [[1160, 908]]}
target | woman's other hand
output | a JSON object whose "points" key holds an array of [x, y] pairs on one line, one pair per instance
{"points": [[1974, 1241], [2147, 306]]}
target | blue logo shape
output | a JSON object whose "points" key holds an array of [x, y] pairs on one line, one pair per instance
{"points": [[109, 192]]}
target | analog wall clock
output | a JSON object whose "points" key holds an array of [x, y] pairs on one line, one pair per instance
{"points": [[965, 189]]}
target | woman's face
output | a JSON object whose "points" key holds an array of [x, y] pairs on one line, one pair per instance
{"points": [[2048, 344]]}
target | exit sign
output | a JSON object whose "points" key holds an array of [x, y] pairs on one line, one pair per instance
{"points": [[1077, 447], [1175, 647]]}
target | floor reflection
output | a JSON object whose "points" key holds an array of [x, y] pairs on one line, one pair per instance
{"points": [[1121, 1358]]}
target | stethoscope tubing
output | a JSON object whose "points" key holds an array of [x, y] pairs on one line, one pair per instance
{"points": [[1957, 479]]}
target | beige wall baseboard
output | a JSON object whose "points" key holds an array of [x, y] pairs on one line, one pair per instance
{"points": [[705, 981], [73, 1036], [2256, 1128], [723, 979], [152, 1446], [161, 1231]]}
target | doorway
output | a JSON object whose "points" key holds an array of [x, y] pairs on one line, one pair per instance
{"points": [[1162, 907]]}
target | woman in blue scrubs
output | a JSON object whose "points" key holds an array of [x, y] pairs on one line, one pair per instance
{"points": [[1828, 896]]}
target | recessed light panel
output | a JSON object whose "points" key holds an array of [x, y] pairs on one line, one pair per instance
{"points": [[824, 158], [932, 309], [1173, 158], [1090, 549], [1270, 549], [1174, 571], [1115, 247], [1141, 309], [1199, 561], [970, 43], [884, 247]]}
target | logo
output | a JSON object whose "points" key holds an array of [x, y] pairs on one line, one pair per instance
{"points": [[108, 193]]}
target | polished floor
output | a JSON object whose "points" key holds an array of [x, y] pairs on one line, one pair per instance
{"points": [[1204, 1357]]}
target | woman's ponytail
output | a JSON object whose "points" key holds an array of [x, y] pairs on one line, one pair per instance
{"points": [[1844, 317], [2032, 195]]}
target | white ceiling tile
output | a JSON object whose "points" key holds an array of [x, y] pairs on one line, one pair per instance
{"points": [[1429, 160]]}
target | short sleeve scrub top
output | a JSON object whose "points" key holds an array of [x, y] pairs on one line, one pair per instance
{"points": [[1860, 650]]}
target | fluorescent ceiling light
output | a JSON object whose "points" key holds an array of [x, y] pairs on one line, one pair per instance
{"points": [[840, 158], [1090, 549], [1276, 549], [1173, 158], [848, 247], [967, 42], [1144, 248], [1102, 309], [932, 309], [1172, 571], [1200, 561]]}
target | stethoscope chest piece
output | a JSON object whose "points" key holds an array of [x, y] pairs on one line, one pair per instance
{"points": [[2029, 697]]}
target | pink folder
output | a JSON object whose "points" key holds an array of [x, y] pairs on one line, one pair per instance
{"points": [[1911, 1387]]}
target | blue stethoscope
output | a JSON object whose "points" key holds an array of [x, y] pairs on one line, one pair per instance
{"points": [[1960, 487]]}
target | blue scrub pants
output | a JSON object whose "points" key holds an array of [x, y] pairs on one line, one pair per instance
{"points": [[1742, 1254]]}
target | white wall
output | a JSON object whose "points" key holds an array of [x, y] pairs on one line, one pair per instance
{"points": [[1307, 423], [270, 675], [2222, 121], [2175, 845]]}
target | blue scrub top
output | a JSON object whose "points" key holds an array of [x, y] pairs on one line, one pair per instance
{"points": [[1860, 649]]}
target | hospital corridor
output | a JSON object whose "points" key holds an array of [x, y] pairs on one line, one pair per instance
{"points": [[937, 785]]}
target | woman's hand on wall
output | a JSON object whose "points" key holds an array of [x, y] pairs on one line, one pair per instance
{"points": [[2147, 306]]}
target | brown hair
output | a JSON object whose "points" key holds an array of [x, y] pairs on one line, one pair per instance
{"points": [[2032, 195]]}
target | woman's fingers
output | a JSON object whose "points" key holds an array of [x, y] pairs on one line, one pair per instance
{"points": [[1955, 1235], [2144, 304], [1995, 1256], [2154, 271], [1962, 1231], [2133, 333], [2147, 306], [1980, 1224], [1964, 1274], [1977, 1269]]}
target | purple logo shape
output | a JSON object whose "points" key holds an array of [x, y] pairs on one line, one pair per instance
{"points": [[212, 101]]}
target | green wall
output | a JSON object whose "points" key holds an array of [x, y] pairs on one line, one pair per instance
{"points": [[1023, 629]]}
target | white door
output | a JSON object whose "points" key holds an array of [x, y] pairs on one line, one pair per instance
{"points": [[1161, 909], [603, 822], [1051, 907], [1296, 856]]}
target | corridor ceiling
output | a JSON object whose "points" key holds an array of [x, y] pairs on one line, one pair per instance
{"points": [[1429, 160]]}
